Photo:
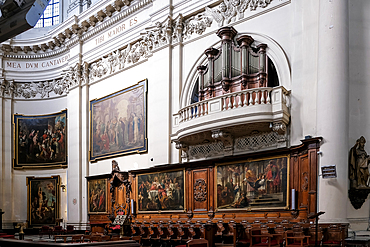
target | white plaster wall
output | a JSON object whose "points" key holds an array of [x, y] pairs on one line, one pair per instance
{"points": [[156, 70], [169, 71], [294, 28], [13, 182], [359, 91]]}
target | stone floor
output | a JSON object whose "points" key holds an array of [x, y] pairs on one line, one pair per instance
{"points": [[43, 238]]}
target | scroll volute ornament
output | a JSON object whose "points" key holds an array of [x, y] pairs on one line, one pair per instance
{"points": [[200, 190]]}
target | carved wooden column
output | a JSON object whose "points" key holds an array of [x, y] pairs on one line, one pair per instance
{"points": [[244, 42], [227, 35], [201, 70], [210, 53], [262, 65]]}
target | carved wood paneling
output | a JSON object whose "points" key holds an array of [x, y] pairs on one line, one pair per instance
{"points": [[303, 181], [200, 190], [312, 199]]}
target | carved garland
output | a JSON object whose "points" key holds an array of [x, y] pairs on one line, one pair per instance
{"points": [[71, 78], [200, 190]]}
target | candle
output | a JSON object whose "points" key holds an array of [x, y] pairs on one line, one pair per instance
{"points": [[132, 206], [293, 199]]}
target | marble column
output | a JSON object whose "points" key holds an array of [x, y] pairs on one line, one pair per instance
{"points": [[332, 107]]}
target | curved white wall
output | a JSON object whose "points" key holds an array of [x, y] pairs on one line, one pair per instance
{"points": [[291, 29]]}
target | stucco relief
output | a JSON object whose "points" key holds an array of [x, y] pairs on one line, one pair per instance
{"points": [[44, 89], [162, 33], [118, 60], [172, 31]]}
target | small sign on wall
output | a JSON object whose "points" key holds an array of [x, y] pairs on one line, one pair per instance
{"points": [[329, 171]]}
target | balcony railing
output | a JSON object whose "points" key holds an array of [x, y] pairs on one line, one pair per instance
{"points": [[248, 106]]}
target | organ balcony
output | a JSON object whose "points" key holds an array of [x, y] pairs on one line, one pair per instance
{"points": [[237, 105]]}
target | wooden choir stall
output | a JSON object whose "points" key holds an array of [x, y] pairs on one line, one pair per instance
{"points": [[262, 198]]}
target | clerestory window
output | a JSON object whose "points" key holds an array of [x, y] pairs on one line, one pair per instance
{"points": [[50, 17]]}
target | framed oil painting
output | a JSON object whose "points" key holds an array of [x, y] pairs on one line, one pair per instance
{"points": [[162, 191], [43, 200], [118, 123], [97, 195], [253, 185], [40, 141]]}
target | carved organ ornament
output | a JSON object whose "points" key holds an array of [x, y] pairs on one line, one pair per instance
{"points": [[236, 66]]}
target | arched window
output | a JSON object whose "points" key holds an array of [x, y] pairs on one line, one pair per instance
{"points": [[195, 93], [50, 16]]}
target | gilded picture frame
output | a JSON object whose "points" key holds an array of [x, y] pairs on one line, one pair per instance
{"points": [[118, 123], [257, 184], [40, 141], [161, 192], [97, 195], [43, 200]]}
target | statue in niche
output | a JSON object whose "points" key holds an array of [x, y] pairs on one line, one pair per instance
{"points": [[359, 160], [115, 167]]}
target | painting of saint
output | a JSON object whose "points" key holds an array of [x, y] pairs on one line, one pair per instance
{"points": [[257, 184], [40, 141], [43, 200], [97, 195], [161, 191], [118, 123]]}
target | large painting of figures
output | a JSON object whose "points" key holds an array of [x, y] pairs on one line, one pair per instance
{"points": [[256, 184], [162, 191], [97, 196], [40, 140], [43, 201], [118, 123]]}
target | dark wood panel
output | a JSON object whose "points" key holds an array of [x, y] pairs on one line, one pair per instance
{"points": [[304, 178], [200, 190]]}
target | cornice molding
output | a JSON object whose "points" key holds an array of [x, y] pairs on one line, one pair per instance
{"points": [[168, 32], [58, 43]]}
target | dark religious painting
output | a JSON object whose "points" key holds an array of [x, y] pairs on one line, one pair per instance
{"points": [[97, 196], [161, 191], [43, 201], [40, 141], [256, 184], [118, 123]]}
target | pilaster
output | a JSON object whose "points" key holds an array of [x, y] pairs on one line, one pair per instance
{"points": [[332, 107], [75, 177]]}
